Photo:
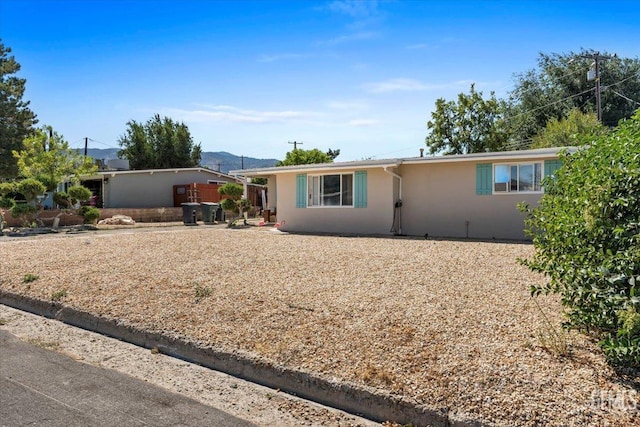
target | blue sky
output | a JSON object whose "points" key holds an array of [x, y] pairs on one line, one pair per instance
{"points": [[247, 77]]}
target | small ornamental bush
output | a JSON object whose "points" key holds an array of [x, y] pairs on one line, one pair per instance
{"points": [[586, 232], [89, 213], [25, 212], [233, 201], [78, 193], [62, 199]]}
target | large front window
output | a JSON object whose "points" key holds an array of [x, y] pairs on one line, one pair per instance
{"points": [[331, 190], [517, 178]]}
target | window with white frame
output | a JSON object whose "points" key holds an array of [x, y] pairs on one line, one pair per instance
{"points": [[330, 190], [517, 178]]}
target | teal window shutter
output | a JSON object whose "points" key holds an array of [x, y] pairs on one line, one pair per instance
{"points": [[301, 190], [484, 178], [550, 166], [360, 189]]}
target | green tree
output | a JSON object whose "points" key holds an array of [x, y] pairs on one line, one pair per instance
{"points": [[576, 129], [6, 202], [559, 84], [16, 119], [232, 199], [469, 125], [586, 233], [47, 157], [333, 153], [305, 157], [29, 208], [160, 143]]}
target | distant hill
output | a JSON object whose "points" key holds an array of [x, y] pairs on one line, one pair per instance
{"points": [[219, 160]]}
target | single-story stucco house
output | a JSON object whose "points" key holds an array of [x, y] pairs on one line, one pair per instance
{"points": [[152, 188], [460, 196]]}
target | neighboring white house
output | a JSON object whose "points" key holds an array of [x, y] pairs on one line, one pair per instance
{"points": [[472, 195], [151, 188]]}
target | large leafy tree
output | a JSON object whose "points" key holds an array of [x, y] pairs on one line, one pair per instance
{"points": [[471, 124], [160, 143], [16, 119], [576, 129], [47, 157], [307, 157], [586, 232], [559, 84]]}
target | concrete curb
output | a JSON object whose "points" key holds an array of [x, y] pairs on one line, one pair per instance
{"points": [[341, 395]]}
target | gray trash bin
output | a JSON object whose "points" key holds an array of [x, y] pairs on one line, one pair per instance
{"points": [[190, 213], [208, 212], [219, 214]]}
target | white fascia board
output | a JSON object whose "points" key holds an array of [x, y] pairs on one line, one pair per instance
{"points": [[172, 170], [319, 167], [492, 156]]}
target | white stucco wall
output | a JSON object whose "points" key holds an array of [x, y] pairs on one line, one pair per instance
{"points": [[376, 218]]}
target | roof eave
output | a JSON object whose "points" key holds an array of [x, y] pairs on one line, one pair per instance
{"points": [[317, 167]]}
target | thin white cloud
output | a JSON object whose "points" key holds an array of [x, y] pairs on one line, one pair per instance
{"points": [[354, 104], [282, 57], [410, 85], [364, 17], [354, 8], [362, 122], [352, 37], [227, 113], [418, 46]]}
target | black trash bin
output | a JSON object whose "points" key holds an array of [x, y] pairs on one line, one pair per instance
{"points": [[190, 213], [208, 212], [219, 214]]}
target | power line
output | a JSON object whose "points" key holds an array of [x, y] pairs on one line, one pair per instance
{"points": [[573, 96], [103, 143], [624, 97], [552, 103]]}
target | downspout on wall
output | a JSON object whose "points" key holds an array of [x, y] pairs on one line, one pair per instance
{"points": [[397, 204]]}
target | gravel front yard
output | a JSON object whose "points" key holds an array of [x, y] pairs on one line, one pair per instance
{"points": [[447, 324]]}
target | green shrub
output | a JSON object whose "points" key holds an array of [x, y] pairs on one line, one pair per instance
{"points": [[29, 277], [6, 203], [89, 213], [202, 292], [78, 193], [58, 295], [25, 212], [30, 188], [233, 202], [62, 199], [586, 232], [7, 188]]}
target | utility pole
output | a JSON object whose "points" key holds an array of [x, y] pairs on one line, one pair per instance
{"points": [[596, 58], [242, 161], [295, 144], [86, 144]]}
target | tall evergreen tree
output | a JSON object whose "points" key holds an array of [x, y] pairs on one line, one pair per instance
{"points": [[16, 119]]}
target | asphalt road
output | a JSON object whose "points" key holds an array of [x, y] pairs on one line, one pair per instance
{"points": [[43, 387]]}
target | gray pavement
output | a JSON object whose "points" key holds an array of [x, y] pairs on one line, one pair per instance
{"points": [[43, 387]]}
